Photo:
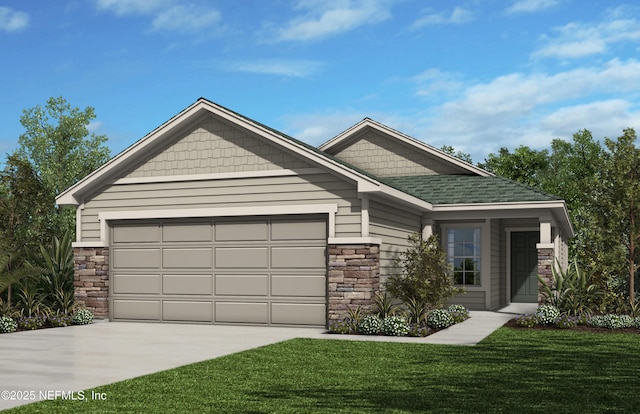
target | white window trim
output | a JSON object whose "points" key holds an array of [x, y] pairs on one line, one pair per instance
{"points": [[106, 216], [485, 253]]}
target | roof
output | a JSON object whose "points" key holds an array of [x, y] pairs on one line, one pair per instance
{"points": [[466, 189]]}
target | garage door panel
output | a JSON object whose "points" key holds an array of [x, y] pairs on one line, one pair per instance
{"points": [[242, 285], [187, 311], [136, 284], [298, 257], [242, 231], [191, 258], [298, 313], [136, 234], [187, 284], [187, 232], [242, 257], [136, 309], [242, 312], [136, 258], [298, 230], [291, 285]]}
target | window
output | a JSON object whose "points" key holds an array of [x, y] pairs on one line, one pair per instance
{"points": [[463, 252]]}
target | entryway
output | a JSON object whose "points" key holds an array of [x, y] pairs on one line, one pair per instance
{"points": [[524, 266]]}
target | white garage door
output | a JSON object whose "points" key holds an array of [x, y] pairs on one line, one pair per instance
{"points": [[269, 271]]}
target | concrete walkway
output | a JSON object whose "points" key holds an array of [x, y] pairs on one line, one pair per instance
{"points": [[75, 358]]}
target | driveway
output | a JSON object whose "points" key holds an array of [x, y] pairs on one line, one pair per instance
{"points": [[48, 362]]}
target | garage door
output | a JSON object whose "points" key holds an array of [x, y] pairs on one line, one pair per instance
{"points": [[268, 271]]}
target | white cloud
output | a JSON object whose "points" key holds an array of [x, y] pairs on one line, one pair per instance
{"points": [[576, 40], [280, 67], [165, 14], [12, 21], [323, 19], [434, 83], [457, 16], [530, 6], [185, 19]]}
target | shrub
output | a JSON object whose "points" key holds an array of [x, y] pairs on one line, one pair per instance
{"points": [[31, 322], [547, 314], [566, 321], [341, 327], [611, 321], [394, 326], [527, 321], [82, 317], [418, 330], [60, 319], [7, 325], [416, 311], [439, 319], [370, 325], [384, 305], [425, 274], [636, 322], [459, 313]]}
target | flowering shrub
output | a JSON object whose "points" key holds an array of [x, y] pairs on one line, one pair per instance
{"points": [[527, 321], [547, 314], [341, 327], [7, 325], [611, 321], [82, 317], [565, 321], [60, 320], [31, 322], [459, 313], [418, 330], [394, 326], [370, 325], [636, 322], [439, 319]]}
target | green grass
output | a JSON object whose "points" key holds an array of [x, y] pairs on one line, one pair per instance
{"points": [[512, 371]]}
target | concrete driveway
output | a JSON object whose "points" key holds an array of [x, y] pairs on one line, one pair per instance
{"points": [[47, 362]]}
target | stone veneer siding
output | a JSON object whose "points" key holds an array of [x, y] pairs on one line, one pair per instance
{"points": [[545, 265], [91, 279], [354, 278]]}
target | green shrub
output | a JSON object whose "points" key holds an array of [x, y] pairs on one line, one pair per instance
{"points": [[418, 330], [394, 326], [636, 322], [341, 327], [459, 313], [370, 325], [566, 321], [82, 317], [384, 305], [547, 314], [7, 325], [439, 319], [425, 274], [611, 321], [31, 322], [60, 319], [527, 321]]}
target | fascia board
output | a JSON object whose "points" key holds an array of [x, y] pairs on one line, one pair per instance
{"points": [[398, 195]]}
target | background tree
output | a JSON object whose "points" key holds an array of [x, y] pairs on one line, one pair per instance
{"points": [[524, 165], [464, 156], [58, 144]]}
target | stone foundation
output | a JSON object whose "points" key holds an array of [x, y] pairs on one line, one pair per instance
{"points": [[91, 279], [354, 278], [545, 266]]}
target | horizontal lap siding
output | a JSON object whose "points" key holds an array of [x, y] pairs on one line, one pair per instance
{"points": [[393, 226], [266, 191], [474, 300]]}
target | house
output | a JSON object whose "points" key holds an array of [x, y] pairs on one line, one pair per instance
{"points": [[216, 218]]}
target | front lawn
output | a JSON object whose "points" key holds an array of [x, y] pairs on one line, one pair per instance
{"points": [[512, 371]]}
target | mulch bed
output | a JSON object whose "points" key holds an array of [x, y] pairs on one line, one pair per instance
{"points": [[581, 328]]}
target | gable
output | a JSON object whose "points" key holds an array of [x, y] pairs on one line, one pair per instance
{"points": [[383, 156], [214, 146]]}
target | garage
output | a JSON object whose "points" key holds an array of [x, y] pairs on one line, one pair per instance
{"points": [[258, 270]]}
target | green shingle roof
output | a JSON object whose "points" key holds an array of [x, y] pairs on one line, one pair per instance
{"points": [[466, 189]]}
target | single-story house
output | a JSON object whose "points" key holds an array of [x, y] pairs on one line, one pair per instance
{"points": [[215, 218]]}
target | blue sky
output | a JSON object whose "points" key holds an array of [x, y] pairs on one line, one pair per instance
{"points": [[477, 74]]}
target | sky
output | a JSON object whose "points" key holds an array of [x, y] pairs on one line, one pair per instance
{"points": [[476, 75]]}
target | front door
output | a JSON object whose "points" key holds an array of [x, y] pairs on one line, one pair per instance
{"points": [[524, 266]]}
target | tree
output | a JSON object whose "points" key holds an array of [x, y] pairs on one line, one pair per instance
{"points": [[58, 144], [621, 200], [464, 156], [524, 165]]}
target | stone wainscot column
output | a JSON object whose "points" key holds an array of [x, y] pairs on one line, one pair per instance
{"points": [[354, 278], [91, 279], [545, 265]]}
